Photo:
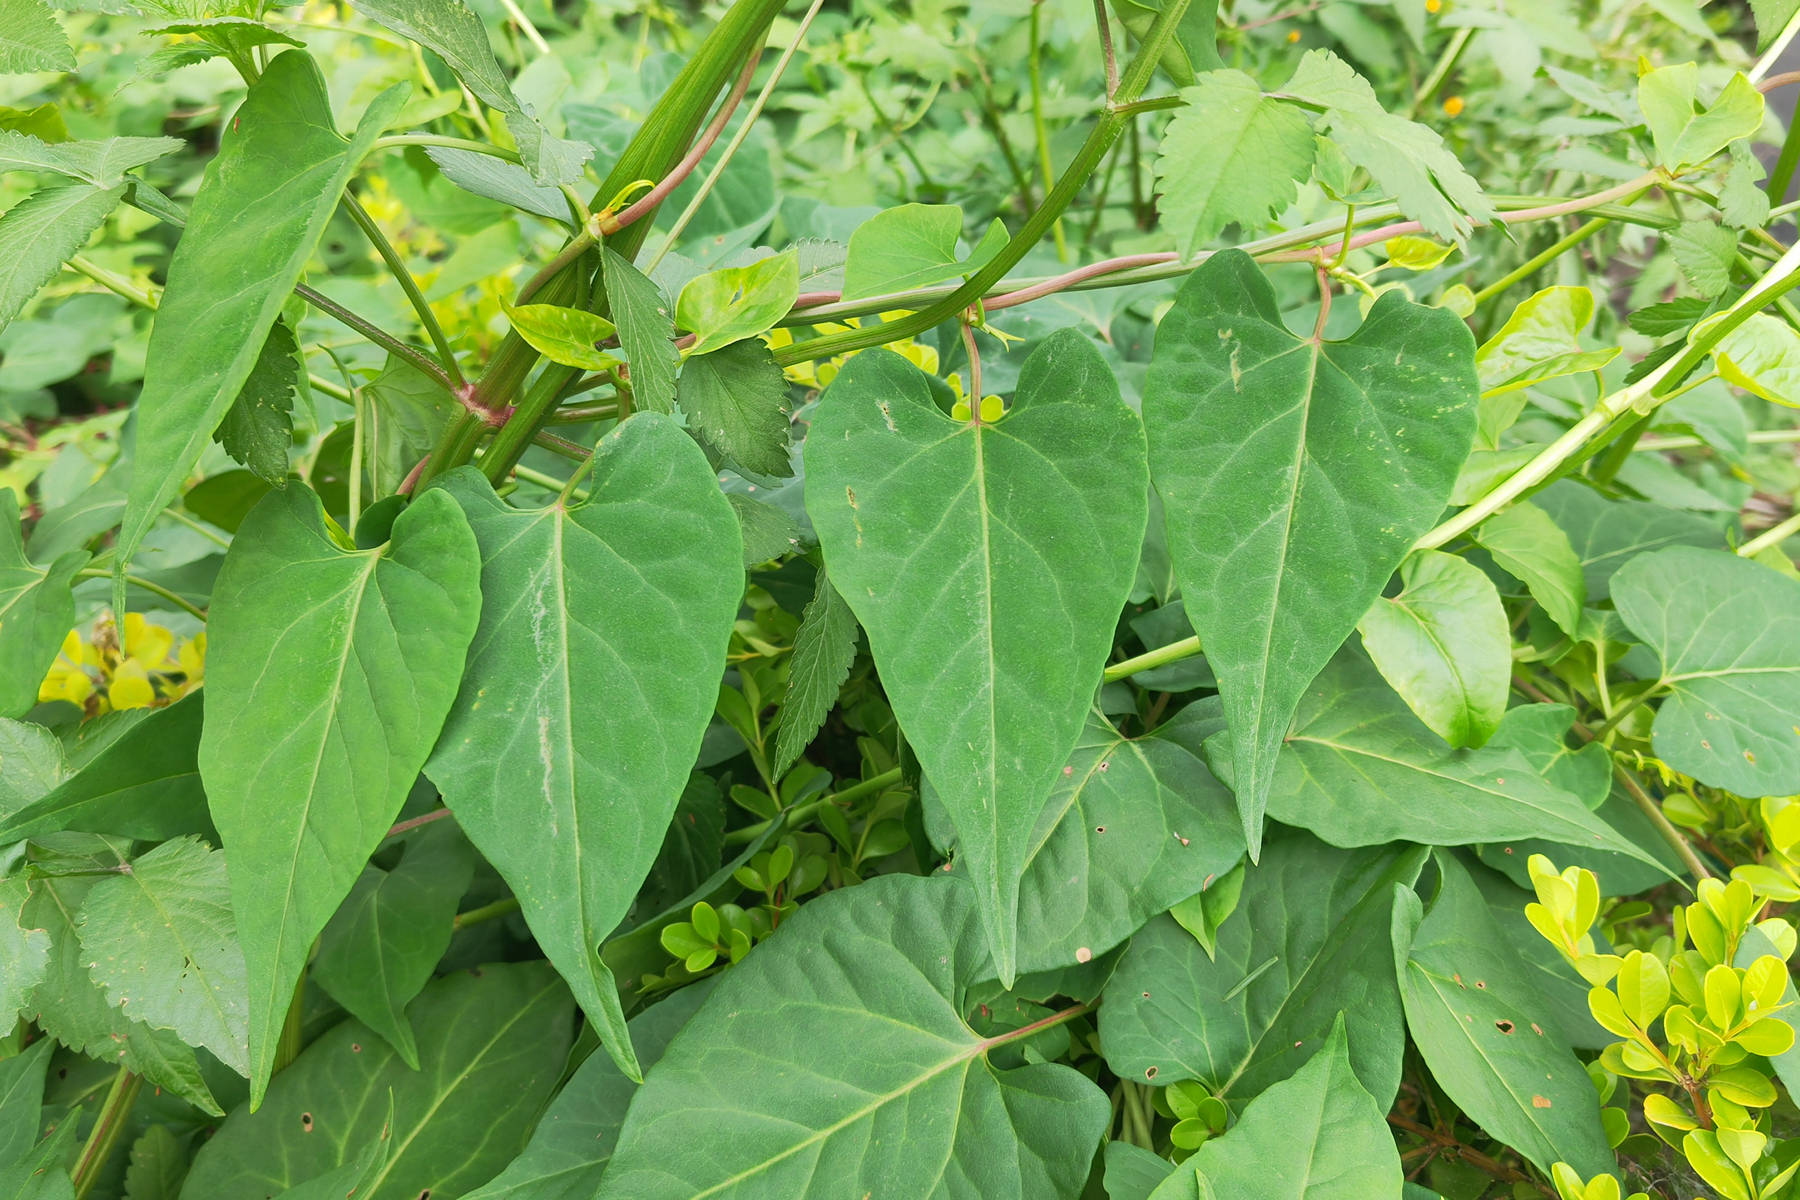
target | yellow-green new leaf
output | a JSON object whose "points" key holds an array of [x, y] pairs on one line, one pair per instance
{"points": [[1687, 134], [260, 210], [564, 335], [1762, 356], [734, 303], [589, 686], [329, 673], [1538, 342]]}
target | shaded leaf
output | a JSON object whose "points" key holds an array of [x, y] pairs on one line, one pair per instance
{"points": [[736, 400], [36, 613], [258, 428], [824, 649], [24, 951], [158, 1164], [1529, 546], [21, 1099], [1606, 534]]}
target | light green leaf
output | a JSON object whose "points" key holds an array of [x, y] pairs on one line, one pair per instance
{"points": [[1407, 160], [102, 163], [1360, 769], [1132, 826], [492, 1042], [1539, 342], [912, 246], [1687, 133], [22, 1098], [734, 303], [564, 335], [1606, 534], [329, 673], [33, 763], [1705, 253], [842, 1031], [1295, 476], [159, 1163], [1743, 204], [261, 208], [385, 940], [258, 428], [1415, 253], [452, 31], [588, 688], [36, 613], [162, 944], [646, 332], [135, 775], [1727, 632], [1443, 644], [496, 179], [1771, 17], [1316, 1136], [737, 404], [1762, 356], [988, 563], [41, 232], [824, 649], [1309, 940], [1193, 50], [31, 40], [1231, 156], [574, 1140], [1533, 549], [24, 952], [1487, 1033]]}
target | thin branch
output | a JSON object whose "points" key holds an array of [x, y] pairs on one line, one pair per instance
{"points": [[1103, 22], [1664, 826], [381, 337], [397, 268]]}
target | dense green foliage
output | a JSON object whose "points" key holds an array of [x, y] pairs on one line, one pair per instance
{"points": [[1165, 599]]}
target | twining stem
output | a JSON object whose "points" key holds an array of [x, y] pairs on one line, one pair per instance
{"points": [[397, 268], [109, 1123], [1034, 71], [1441, 71], [1536, 262], [1772, 536], [487, 912], [1173, 652], [1664, 826], [155, 589]]}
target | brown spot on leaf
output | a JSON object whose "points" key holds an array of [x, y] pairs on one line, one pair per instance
{"points": [[306, 1122], [1540, 1102], [1504, 1026], [1150, 1072]]}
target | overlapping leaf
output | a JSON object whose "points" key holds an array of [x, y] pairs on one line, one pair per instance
{"points": [[36, 611]]}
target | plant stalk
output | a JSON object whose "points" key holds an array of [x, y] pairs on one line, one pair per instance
{"points": [[115, 1110]]}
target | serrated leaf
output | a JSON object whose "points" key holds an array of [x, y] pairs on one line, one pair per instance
{"points": [[1686, 132], [912, 246], [158, 1164], [1230, 156], [1533, 549], [1705, 253], [386, 938], [736, 402], [162, 944], [31, 40], [1540, 341], [589, 686], [329, 673], [988, 563], [1132, 827], [824, 648], [135, 776], [1762, 356], [24, 952], [646, 332], [1406, 159], [33, 760], [496, 179], [1359, 769], [1669, 316], [1772, 17], [1486, 1032], [733, 303], [1727, 632], [1309, 940], [258, 428], [492, 1042], [37, 610], [1295, 476], [452, 31], [564, 335], [1442, 642], [1316, 1136], [43, 231], [261, 208], [840, 1030]]}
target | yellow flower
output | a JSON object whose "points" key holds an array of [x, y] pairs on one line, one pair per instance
{"points": [[69, 677], [1432, 6], [1453, 106], [150, 668]]}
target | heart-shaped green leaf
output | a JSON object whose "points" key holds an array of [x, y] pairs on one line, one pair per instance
{"points": [[1295, 474], [988, 563], [589, 685], [329, 672]]}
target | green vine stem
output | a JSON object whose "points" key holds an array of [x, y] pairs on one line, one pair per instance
{"points": [[155, 589], [802, 811], [1175, 651], [1772, 536], [109, 1123], [1035, 74], [1664, 826], [404, 277]]}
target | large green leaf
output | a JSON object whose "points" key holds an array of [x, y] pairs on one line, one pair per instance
{"points": [[833, 1063], [1295, 474], [574, 1140], [386, 938], [161, 942], [1309, 939], [1443, 643], [329, 673], [261, 208], [135, 774], [452, 31], [31, 40], [589, 686], [41, 232], [1359, 769], [491, 1045], [1132, 826], [1606, 534], [988, 563], [1727, 633], [1318, 1135], [1231, 156], [36, 611], [1483, 1029]]}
